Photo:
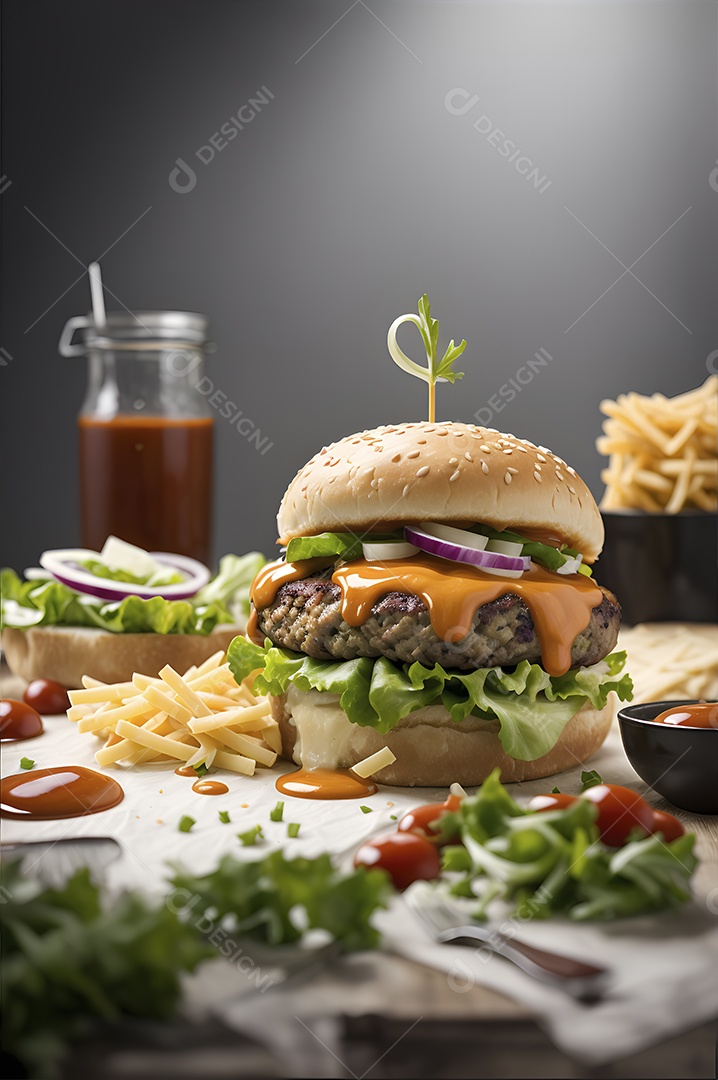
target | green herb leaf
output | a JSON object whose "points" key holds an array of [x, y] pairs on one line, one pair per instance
{"points": [[555, 790], [293, 829], [250, 837], [590, 779], [185, 823], [277, 812], [200, 769], [366, 809], [436, 370], [224, 816], [27, 763], [75, 954]]}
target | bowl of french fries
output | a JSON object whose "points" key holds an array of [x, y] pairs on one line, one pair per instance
{"points": [[659, 505]]}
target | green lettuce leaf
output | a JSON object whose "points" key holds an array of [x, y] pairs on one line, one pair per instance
{"points": [[532, 707], [230, 587], [49, 603], [344, 545]]}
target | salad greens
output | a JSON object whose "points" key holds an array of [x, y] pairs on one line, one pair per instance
{"points": [[550, 557], [46, 602], [165, 576], [553, 862], [532, 707]]}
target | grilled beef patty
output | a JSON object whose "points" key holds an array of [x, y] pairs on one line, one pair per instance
{"points": [[305, 616]]}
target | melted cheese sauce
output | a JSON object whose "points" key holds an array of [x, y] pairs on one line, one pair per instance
{"points": [[560, 605]]}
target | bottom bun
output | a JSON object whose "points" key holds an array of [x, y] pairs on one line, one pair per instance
{"points": [[431, 749], [66, 653]]}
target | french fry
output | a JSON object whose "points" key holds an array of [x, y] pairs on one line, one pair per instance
{"points": [[201, 717], [663, 452]]}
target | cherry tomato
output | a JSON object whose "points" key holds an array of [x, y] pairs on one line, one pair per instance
{"points": [[421, 819], [620, 811], [405, 856], [557, 800], [47, 697], [667, 824], [18, 721]]}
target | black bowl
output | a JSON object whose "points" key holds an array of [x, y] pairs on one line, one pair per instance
{"points": [[681, 763], [662, 567]]}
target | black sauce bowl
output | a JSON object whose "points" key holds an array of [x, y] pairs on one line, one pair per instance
{"points": [[662, 567], [681, 763]]}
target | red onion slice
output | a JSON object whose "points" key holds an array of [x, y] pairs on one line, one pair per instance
{"points": [[64, 567], [491, 561]]}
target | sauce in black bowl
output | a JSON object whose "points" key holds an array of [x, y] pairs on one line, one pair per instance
{"points": [[678, 761]]}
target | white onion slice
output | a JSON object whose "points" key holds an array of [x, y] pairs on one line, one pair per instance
{"points": [[456, 536], [571, 565], [388, 549], [505, 547], [492, 562], [64, 567]]}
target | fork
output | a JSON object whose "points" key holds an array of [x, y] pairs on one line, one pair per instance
{"points": [[447, 924]]}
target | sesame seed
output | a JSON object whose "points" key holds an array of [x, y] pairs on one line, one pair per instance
{"points": [[522, 449], [413, 454], [375, 483], [453, 460], [423, 470], [484, 466], [458, 434], [540, 457], [397, 457], [507, 451], [507, 477], [512, 471], [442, 431], [537, 468], [421, 442], [407, 489], [485, 449], [455, 475], [537, 476], [468, 456], [572, 490], [572, 471]]}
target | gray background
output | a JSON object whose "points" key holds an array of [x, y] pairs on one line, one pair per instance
{"points": [[344, 199]]}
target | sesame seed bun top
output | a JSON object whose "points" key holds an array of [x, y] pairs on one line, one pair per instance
{"points": [[448, 472]]}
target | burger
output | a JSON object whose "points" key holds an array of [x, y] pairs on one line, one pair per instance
{"points": [[120, 611], [436, 597]]}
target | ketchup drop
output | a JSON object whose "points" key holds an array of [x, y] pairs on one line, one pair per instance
{"points": [[63, 792], [18, 721]]}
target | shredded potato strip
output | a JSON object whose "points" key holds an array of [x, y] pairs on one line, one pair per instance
{"points": [[663, 452], [201, 717]]}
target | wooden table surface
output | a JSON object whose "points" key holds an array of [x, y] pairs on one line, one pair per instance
{"points": [[394, 1019]]}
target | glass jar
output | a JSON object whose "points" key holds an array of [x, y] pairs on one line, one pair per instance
{"points": [[145, 431]]}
